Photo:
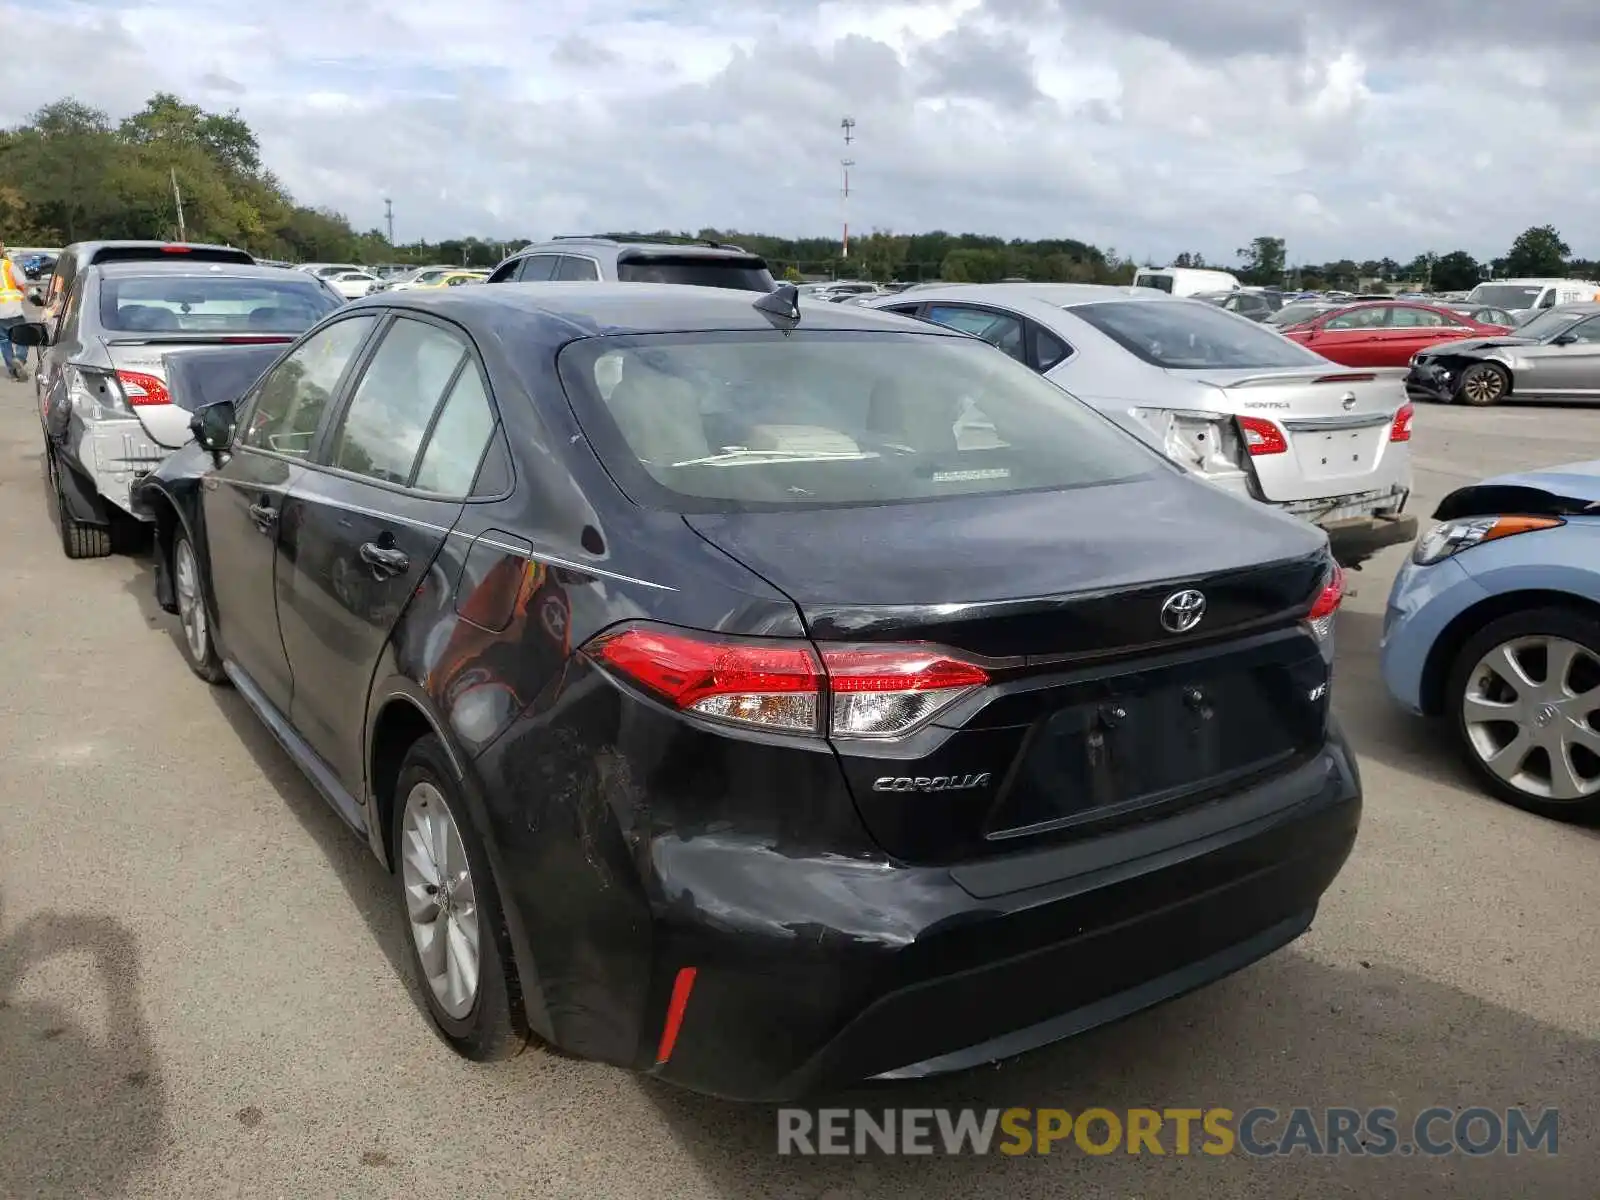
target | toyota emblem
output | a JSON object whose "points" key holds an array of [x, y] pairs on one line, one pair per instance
{"points": [[1181, 611]]}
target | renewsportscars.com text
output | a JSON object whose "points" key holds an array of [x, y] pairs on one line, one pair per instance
{"points": [[1257, 1132]]}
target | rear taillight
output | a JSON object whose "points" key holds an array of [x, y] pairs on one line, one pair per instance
{"points": [[1326, 606], [1400, 431], [140, 388], [884, 692], [774, 684], [1262, 436], [852, 691]]}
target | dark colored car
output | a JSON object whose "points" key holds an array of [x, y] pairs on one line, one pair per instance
{"points": [[726, 714]]}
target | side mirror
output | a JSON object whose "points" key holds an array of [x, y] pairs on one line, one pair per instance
{"points": [[29, 333], [1564, 339], [213, 427]]}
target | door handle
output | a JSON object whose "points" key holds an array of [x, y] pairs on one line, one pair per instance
{"points": [[385, 561], [264, 516]]}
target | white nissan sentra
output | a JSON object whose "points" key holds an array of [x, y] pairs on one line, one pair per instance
{"points": [[1237, 404]]}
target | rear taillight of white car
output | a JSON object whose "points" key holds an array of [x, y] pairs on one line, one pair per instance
{"points": [[789, 686], [1262, 436], [1326, 606], [1400, 431]]}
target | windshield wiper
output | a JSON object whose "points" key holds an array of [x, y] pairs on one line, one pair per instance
{"points": [[742, 454]]}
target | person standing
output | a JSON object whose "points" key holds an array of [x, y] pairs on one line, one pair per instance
{"points": [[11, 313]]}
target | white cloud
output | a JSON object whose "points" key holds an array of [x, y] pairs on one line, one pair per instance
{"points": [[1151, 125]]}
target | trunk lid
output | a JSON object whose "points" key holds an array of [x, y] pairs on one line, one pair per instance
{"points": [[1335, 423], [140, 363], [1095, 710]]}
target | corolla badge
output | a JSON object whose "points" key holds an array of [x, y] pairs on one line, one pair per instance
{"points": [[926, 783], [1181, 611]]}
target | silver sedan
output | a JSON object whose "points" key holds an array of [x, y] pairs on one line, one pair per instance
{"points": [[1554, 356], [1235, 403]]}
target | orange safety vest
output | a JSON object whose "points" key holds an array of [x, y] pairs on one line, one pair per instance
{"points": [[10, 289]]}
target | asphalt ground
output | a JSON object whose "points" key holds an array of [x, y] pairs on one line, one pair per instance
{"points": [[203, 990]]}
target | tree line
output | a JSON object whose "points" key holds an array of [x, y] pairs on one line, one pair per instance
{"points": [[70, 172]]}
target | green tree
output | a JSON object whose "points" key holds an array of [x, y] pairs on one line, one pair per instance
{"points": [[1457, 271], [1263, 261], [59, 162], [1538, 251]]}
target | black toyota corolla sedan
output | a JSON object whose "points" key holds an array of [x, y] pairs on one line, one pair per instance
{"points": [[765, 697]]}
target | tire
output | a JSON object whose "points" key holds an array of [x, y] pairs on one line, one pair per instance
{"points": [[1482, 384], [487, 1024], [1538, 725], [194, 616], [77, 539]]}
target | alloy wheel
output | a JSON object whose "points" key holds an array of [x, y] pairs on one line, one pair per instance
{"points": [[440, 900], [191, 608], [1483, 385], [1531, 713]]}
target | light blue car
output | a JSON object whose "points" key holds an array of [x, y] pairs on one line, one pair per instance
{"points": [[1494, 625]]}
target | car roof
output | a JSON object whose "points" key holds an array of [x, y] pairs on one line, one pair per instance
{"points": [[621, 246], [586, 309], [167, 266]]}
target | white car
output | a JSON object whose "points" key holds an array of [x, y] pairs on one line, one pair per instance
{"points": [[353, 284], [1239, 405]]}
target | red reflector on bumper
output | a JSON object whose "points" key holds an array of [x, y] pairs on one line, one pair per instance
{"points": [[681, 987]]}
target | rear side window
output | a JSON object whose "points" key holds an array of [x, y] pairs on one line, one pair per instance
{"points": [[1001, 330], [1191, 335], [455, 447], [296, 392], [739, 272], [575, 269], [393, 405], [731, 421]]}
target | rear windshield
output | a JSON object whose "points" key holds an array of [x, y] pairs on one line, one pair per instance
{"points": [[1506, 295], [739, 421], [201, 304], [742, 274], [1161, 283], [1293, 314], [1192, 336], [107, 254]]}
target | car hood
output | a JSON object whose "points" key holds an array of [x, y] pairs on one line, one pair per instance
{"points": [[1555, 491], [1475, 345]]}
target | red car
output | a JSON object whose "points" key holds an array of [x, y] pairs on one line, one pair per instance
{"points": [[1385, 333]]}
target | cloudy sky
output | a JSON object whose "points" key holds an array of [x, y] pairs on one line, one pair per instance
{"points": [[1363, 128]]}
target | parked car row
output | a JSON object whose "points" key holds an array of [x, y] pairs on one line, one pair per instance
{"points": [[619, 620]]}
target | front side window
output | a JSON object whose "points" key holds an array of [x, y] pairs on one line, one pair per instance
{"points": [[389, 413], [1189, 336], [735, 421], [1001, 330], [211, 304], [537, 268], [292, 398]]}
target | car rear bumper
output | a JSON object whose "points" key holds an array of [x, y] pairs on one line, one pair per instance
{"points": [[927, 970], [1355, 540]]}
